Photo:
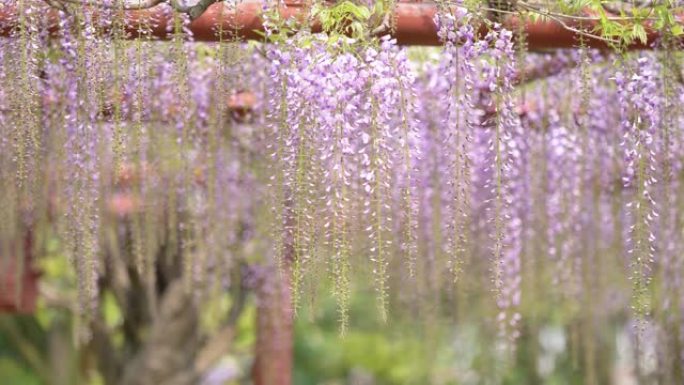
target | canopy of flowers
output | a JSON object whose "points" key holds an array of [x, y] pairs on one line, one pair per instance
{"points": [[477, 180]]}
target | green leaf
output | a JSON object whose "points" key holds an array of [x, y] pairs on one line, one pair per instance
{"points": [[306, 43], [638, 32], [365, 12], [379, 7]]}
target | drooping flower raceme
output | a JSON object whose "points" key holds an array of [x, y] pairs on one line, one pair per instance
{"points": [[640, 116]]}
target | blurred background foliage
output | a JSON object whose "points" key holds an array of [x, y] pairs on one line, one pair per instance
{"points": [[424, 349]]}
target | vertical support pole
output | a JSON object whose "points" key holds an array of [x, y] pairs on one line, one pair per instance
{"points": [[274, 344]]}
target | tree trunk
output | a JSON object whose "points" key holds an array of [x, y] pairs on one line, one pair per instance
{"points": [[168, 355]]}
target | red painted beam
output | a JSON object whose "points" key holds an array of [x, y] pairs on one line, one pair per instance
{"points": [[414, 25]]}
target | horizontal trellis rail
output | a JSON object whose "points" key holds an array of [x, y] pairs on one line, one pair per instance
{"points": [[414, 25]]}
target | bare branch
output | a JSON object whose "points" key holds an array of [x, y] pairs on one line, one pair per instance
{"points": [[170, 347], [55, 4], [108, 359], [200, 7], [215, 348], [194, 11], [384, 26], [547, 67], [129, 5], [547, 12]]}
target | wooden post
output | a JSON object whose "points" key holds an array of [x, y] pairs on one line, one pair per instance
{"points": [[273, 350], [19, 279]]}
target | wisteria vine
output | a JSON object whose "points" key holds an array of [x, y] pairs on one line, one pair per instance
{"points": [[353, 164]]}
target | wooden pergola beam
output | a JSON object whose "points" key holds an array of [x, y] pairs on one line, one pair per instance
{"points": [[414, 25]]}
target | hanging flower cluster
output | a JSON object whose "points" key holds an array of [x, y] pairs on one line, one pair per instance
{"points": [[341, 126], [640, 109], [486, 67]]}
